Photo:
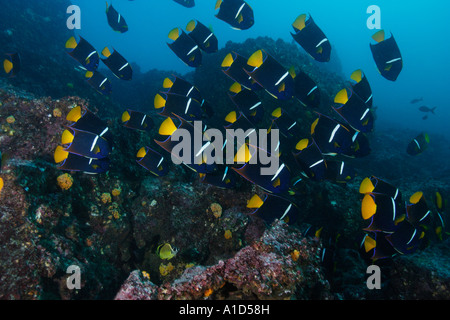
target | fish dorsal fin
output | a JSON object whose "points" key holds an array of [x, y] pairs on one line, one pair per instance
{"points": [[106, 52], [167, 127], [369, 243], [231, 117], [125, 116], [256, 59], [159, 101], [356, 75], [141, 153], [7, 65], [243, 155], [191, 25], [302, 144], [313, 125], [379, 36], [368, 207], [74, 115], [299, 23], [227, 61], [60, 155], [218, 3], [416, 197], [168, 83], [71, 43], [236, 87], [255, 202], [341, 97], [277, 112], [174, 34], [366, 186]]}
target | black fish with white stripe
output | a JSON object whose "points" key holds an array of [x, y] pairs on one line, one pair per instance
{"points": [[115, 19], [203, 36], [185, 48], [118, 65], [354, 111], [83, 52], [311, 38], [274, 207], [387, 56], [152, 161], [169, 105], [418, 145], [85, 120], [99, 82], [270, 75], [306, 89], [137, 120], [361, 87], [237, 13]]}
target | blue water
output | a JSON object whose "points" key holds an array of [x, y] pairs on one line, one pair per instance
{"points": [[419, 29]]}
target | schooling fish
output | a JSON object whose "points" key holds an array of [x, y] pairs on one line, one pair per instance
{"points": [[11, 64], [83, 52], [354, 110], [185, 48], [311, 38], [203, 36], [305, 89], [415, 100], [361, 87], [99, 82], [115, 19], [310, 159], [152, 161], [418, 145], [377, 185], [248, 102], [188, 153], [237, 13], [387, 56], [273, 207], [186, 3], [271, 75], [417, 211], [137, 120], [117, 64], [383, 212], [85, 143], [223, 177], [287, 125], [339, 171], [74, 162], [171, 105], [177, 85], [234, 65], [407, 238], [89, 122], [331, 137], [252, 169]]}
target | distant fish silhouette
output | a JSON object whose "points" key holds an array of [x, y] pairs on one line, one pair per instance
{"points": [[427, 109], [416, 100]]}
